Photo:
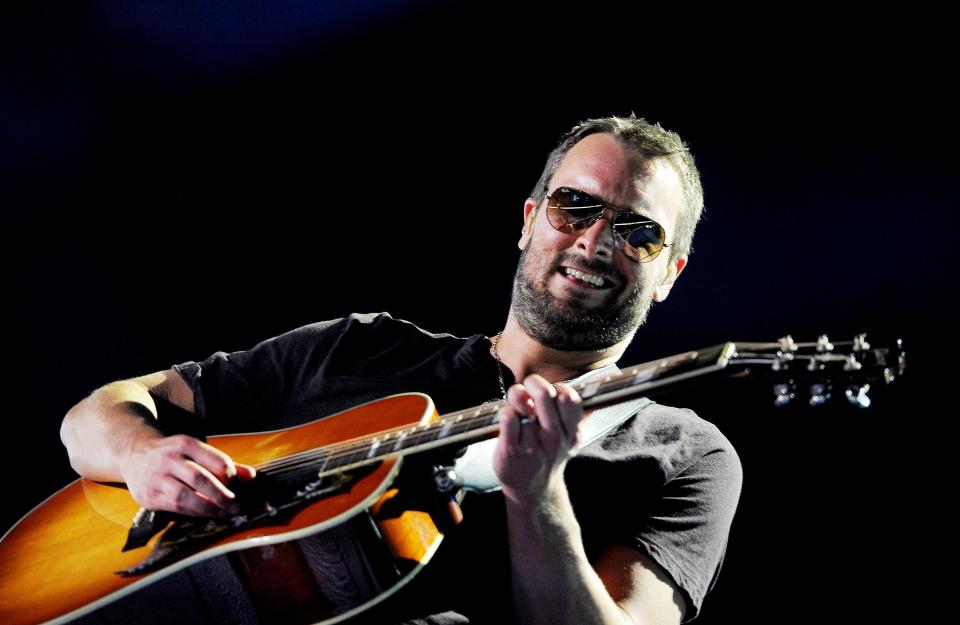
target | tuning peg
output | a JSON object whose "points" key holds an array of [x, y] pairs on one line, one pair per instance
{"points": [[857, 395], [786, 344], [819, 394], [823, 344], [783, 361], [860, 343], [784, 394], [852, 364], [888, 376]]}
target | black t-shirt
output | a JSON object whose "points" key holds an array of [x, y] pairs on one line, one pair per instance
{"points": [[665, 482]]}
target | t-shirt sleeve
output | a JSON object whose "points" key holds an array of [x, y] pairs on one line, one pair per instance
{"points": [[248, 388], [687, 530], [324, 368]]}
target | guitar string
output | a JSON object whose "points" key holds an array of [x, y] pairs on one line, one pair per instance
{"points": [[456, 421], [360, 454], [468, 417], [346, 449]]}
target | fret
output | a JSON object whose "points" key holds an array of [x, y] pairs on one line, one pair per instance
{"points": [[447, 426], [591, 389]]}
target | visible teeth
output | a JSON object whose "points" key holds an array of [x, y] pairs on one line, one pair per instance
{"points": [[586, 277]]}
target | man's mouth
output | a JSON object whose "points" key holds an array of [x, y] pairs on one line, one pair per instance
{"points": [[585, 278]]}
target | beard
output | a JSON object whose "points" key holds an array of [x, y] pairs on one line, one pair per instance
{"points": [[578, 323]]}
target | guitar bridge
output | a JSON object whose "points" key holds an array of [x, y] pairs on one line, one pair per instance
{"points": [[263, 500]]}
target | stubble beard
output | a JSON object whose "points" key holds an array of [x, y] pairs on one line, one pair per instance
{"points": [[575, 324]]}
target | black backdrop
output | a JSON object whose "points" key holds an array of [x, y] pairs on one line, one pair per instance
{"points": [[183, 180]]}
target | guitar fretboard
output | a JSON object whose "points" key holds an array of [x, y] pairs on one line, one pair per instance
{"points": [[482, 421]]}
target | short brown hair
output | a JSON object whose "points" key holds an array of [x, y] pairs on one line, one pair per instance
{"points": [[649, 141]]}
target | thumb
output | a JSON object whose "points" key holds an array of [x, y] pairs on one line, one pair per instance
{"points": [[245, 472]]}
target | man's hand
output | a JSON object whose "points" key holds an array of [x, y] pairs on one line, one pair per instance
{"points": [[182, 474], [539, 433]]}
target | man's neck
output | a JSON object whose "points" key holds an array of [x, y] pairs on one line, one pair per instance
{"points": [[524, 355]]}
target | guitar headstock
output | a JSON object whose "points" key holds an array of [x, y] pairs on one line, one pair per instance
{"points": [[822, 368]]}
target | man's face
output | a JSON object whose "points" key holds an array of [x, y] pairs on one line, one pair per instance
{"points": [[563, 311]]}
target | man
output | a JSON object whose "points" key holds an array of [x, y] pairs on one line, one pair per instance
{"points": [[606, 232]]}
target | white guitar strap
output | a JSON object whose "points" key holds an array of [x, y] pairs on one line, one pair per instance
{"points": [[474, 468]]}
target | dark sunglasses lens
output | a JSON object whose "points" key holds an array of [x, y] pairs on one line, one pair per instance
{"points": [[569, 210], [647, 240]]}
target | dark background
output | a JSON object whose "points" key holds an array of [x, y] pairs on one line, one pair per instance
{"points": [[180, 179]]}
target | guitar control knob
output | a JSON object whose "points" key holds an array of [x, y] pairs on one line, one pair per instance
{"points": [[819, 394], [784, 394], [444, 478], [857, 395]]}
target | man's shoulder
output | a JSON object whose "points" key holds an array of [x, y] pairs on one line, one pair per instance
{"points": [[382, 322], [379, 345], [673, 436], [671, 422]]}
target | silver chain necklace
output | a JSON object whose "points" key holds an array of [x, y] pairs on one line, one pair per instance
{"points": [[493, 352]]}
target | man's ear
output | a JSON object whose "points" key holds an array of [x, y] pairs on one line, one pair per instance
{"points": [[529, 216], [662, 290]]}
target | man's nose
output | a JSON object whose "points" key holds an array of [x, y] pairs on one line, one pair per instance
{"points": [[598, 239]]}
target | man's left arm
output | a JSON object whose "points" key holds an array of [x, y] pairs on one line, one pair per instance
{"points": [[553, 581]]}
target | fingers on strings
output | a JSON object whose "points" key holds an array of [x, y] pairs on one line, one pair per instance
{"points": [[542, 415]]}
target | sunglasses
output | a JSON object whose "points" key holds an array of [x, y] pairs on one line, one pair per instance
{"points": [[571, 210]]}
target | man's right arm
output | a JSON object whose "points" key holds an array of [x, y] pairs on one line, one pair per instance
{"points": [[112, 436]]}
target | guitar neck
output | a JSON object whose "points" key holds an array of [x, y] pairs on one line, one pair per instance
{"points": [[481, 422], [632, 382], [789, 365]]}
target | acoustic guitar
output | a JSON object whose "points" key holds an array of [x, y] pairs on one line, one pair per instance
{"points": [[90, 544]]}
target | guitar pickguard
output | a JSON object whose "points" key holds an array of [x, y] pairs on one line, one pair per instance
{"points": [[264, 500]]}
